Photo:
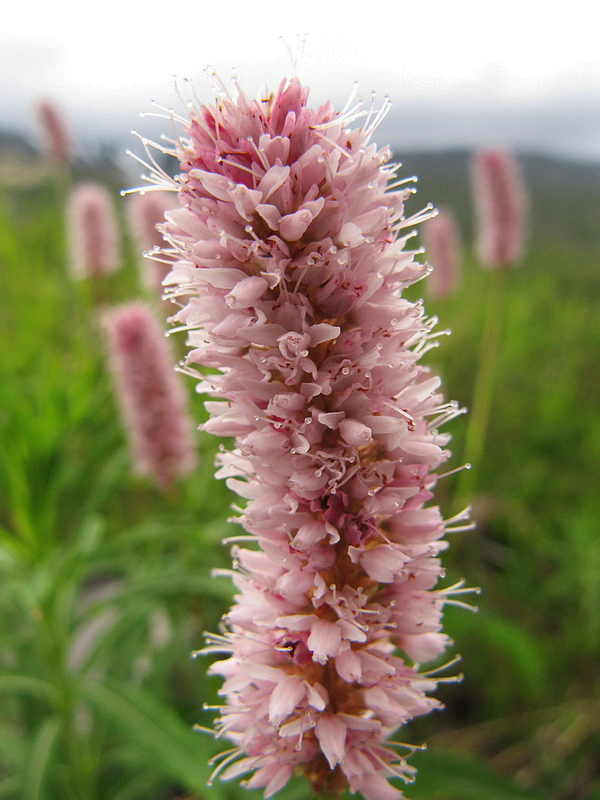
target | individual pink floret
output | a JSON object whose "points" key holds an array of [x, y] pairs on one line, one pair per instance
{"points": [[146, 212], [55, 131], [500, 207], [93, 233], [441, 240], [149, 394], [289, 263]]}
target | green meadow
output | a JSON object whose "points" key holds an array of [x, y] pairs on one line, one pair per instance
{"points": [[105, 582]]}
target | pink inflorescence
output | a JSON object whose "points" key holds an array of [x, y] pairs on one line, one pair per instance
{"points": [[147, 211], [289, 262], [149, 394], [501, 208], [93, 232], [441, 240], [56, 135]]}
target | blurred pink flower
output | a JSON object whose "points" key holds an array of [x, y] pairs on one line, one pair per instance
{"points": [[501, 208], [149, 394], [441, 240], [56, 134], [93, 232], [145, 212], [289, 260]]}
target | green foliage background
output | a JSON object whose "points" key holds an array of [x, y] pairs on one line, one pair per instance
{"points": [[105, 583]]}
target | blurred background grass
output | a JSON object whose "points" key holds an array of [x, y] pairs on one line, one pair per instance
{"points": [[105, 583]]}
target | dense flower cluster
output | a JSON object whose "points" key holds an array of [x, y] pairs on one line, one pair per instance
{"points": [[501, 208], [289, 263], [56, 136], [145, 212], [147, 389], [442, 243], [93, 232]]}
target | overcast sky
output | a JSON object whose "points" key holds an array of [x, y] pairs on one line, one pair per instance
{"points": [[459, 73]]}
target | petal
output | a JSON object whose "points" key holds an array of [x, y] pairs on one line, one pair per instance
{"points": [[246, 292], [383, 563], [272, 180], [279, 780], [331, 733], [424, 646], [293, 226], [317, 695], [350, 235], [217, 185], [270, 214], [323, 332], [348, 666], [324, 640], [355, 433], [331, 418], [297, 622], [245, 200], [238, 768], [284, 699], [376, 787], [309, 534]]}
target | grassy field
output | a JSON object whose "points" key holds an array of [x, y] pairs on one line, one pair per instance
{"points": [[105, 583]]}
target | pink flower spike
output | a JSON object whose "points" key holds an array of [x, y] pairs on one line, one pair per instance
{"points": [[500, 206], [56, 135], [92, 232], [289, 264], [441, 240], [149, 394], [145, 212]]}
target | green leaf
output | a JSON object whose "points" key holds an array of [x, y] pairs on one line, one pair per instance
{"points": [[141, 785], [454, 776], [521, 649], [157, 731], [9, 787], [172, 583], [13, 748], [25, 684], [89, 535], [40, 759]]}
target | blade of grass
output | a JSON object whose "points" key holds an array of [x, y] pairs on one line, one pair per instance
{"points": [[25, 684], [140, 786], [9, 787], [453, 776], [157, 730], [40, 760]]}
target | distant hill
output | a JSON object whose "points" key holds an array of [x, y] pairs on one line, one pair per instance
{"points": [[564, 196], [14, 143], [22, 163]]}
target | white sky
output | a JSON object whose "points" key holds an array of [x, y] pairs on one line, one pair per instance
{"points": [[462, 70]]}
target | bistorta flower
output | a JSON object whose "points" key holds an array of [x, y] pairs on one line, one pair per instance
{"points": [[441, 241], [56, 135], [500, 207], [290, 257], [146, 212], [149, 394], [93, 233]]}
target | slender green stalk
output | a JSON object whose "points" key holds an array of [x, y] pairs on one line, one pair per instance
{"points": [[62, 182], [53, 643], [484, 384]]}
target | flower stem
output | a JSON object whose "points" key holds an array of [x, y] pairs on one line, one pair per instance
{"points": [[484, 384]]}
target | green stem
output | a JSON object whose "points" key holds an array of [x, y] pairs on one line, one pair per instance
{"points": [[61, 180], [484, 385], [75, 753]]}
